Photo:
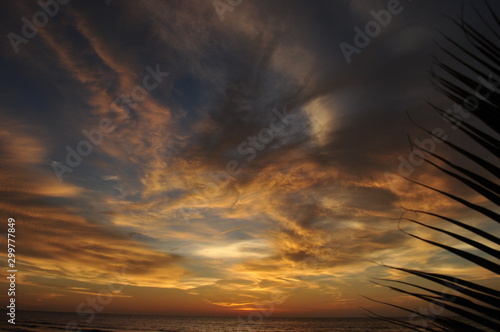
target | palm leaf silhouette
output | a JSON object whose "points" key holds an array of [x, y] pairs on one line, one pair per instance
{"points": [[478, 304]]}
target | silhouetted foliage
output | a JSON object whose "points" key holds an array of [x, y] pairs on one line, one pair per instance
{"points": [[478, 304]]}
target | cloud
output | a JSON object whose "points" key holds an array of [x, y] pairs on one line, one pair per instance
{"points": [[303, 218]]}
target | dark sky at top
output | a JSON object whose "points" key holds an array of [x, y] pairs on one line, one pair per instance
{"points": [[221, 145]]}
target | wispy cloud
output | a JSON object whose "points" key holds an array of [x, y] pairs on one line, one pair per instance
{"points": [[153, 197]]}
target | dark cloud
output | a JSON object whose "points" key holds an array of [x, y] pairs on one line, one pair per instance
{"points": [[315, 191]]}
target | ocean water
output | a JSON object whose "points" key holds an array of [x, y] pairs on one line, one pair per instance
{"points": [[49, 321]]}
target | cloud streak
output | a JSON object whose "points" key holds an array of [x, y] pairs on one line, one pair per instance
{"points": [[314, 192]]}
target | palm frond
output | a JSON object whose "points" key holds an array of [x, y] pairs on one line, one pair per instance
{"points": [[477, 303]]}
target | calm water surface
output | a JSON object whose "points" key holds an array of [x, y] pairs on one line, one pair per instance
{"points": [[48, 321]]}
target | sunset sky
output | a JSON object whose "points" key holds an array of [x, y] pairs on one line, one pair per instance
{"points": [[200, 159]]}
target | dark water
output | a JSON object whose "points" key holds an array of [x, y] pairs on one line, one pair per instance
{"points": [[49, 321]]}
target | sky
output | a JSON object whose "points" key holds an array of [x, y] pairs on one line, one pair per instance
{"points": [[208, 158]]}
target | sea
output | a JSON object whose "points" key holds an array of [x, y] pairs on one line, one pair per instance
{"points": [[50, 321]]}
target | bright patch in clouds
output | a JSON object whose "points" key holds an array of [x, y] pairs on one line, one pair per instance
{"points": [[148, 206]]}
